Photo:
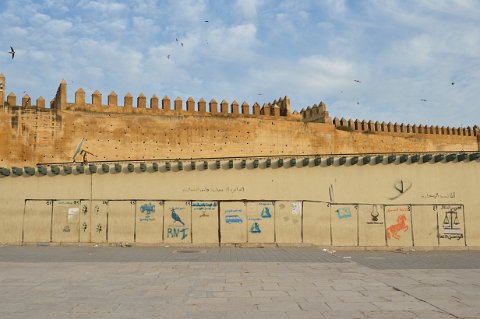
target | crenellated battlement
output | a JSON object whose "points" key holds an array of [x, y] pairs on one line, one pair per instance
{"points": [[318, 114], [26, 101], [166, 106], [396, 128], [279, 108]]}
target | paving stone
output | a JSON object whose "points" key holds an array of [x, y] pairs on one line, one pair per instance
{"points": [[234, 283]]}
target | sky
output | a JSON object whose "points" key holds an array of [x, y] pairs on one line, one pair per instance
{"points": [[415, 62]]}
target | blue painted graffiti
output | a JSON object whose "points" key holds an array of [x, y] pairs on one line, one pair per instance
{"points": [[266, 213], [233, 219], [174, 232], [343, 212], [176, 218], [255, 229], [147, 208]]}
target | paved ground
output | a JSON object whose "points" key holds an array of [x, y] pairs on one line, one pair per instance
{"points": [[113, 282]]}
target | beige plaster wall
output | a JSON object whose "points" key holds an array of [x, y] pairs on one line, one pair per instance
{"points": [[434, 191]]}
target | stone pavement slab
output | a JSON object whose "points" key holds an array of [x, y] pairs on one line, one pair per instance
{"points": [[113, 282]]}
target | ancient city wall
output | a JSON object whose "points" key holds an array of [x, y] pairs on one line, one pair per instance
{"points": [[173, 128], [367, 201]]}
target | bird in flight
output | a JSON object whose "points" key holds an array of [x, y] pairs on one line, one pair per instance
{"points": [[12, 52], [423, 100], [358, 81], [453, 83], [168, 56], [176, 39], [182, 44], [259, 93], [206, 21]]}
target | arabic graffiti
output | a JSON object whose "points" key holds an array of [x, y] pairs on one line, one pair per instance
{"points": [[206, 209], [147, 211], [206, 189], [439, 195]]}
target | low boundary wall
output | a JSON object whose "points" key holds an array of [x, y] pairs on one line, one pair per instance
{"points": [[421, 200]]}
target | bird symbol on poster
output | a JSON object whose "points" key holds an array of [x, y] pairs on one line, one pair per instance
{"points": [[176, 218]]}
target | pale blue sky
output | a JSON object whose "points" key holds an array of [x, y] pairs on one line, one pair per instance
{"points": [[401, 51]]}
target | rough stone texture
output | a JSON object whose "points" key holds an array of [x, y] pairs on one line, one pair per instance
{"points": [[31, 136]]}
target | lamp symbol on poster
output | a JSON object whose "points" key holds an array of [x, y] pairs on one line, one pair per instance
{"points": [[255, 229], [266, 213]]}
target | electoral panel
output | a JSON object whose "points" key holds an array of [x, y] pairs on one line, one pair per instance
{"points": [[177, 221], [451, 224], [424, 226], [98, 216], [371, 225], [316, 223], [66, 221], [344, 218], [261, 226], [233, 223], [398, 225], [149, 222], [205, 222], [37, 221], [288, 222], [121, 221]]}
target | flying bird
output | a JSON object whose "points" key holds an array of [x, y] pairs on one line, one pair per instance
{"points": [[358, 81], [423, 100], [358, 103], [176, 218], [181, 44], [176, 39], [12, 52], [453, 83], [206, 20], [168, 56], [259, 93]]}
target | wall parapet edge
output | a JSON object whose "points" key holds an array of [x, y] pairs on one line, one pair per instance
{"points": [[318, 114], [396, 128], [277, 109]]}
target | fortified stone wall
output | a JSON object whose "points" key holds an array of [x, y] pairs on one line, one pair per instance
{"points": [[164, 128]]}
